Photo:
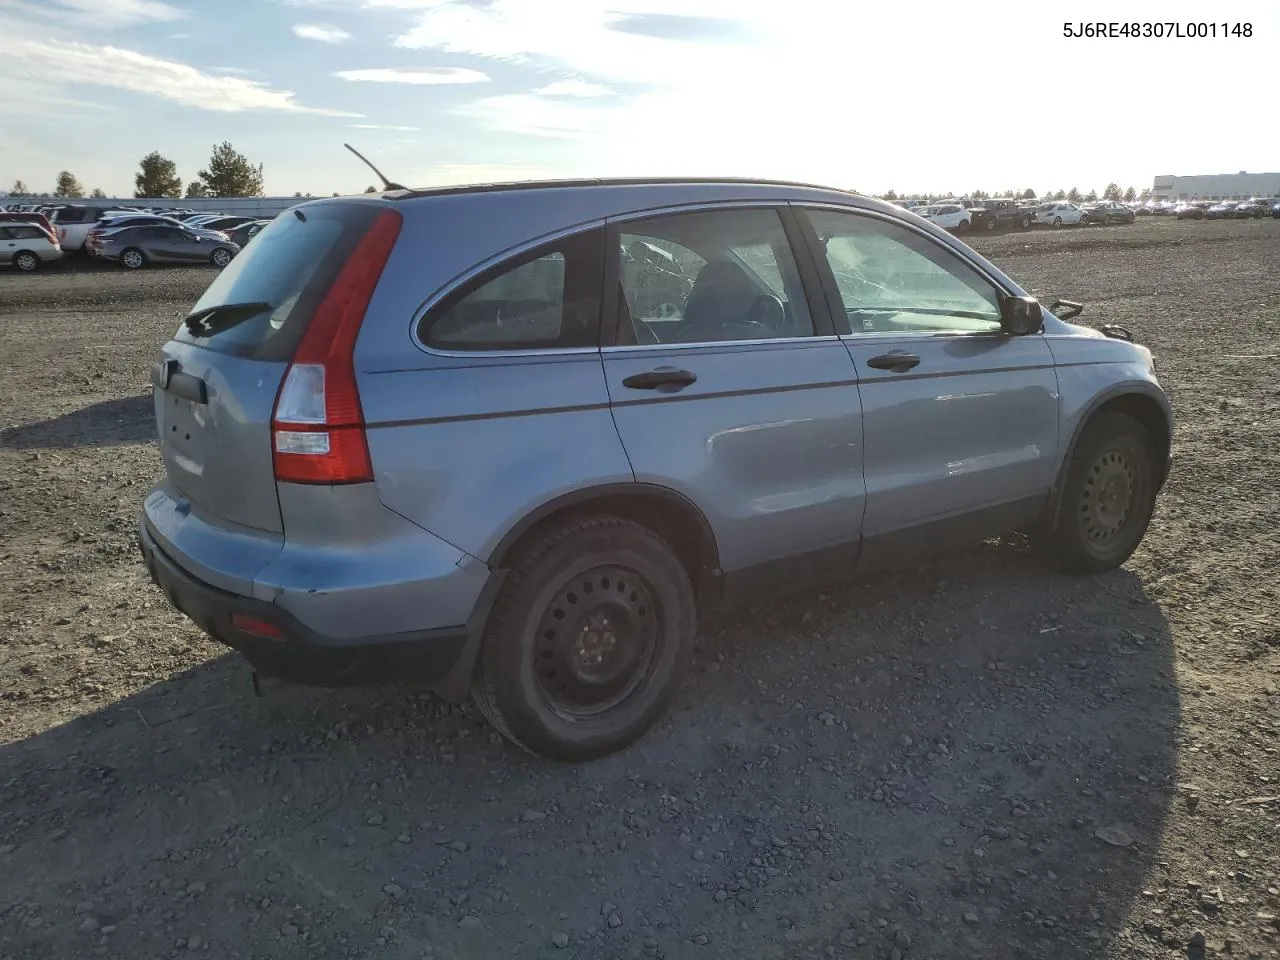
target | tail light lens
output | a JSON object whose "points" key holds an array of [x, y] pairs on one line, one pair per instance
{"points": [[318, 425]]}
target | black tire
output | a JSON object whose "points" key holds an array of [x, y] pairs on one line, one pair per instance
{"points": [[991, 225], [537, 688], [962, 226], [1026, 223], [220, 257], [132, 258], [1107, 499], [26, 261], [1057, 221]]}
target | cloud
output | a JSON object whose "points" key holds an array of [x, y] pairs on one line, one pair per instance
{"points": [[321, 32], [414, 75], [383, 126], [102, 13], [57, 63], [573, 88]]}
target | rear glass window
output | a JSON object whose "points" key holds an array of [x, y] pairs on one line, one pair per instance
{"points": [[271, 289]]}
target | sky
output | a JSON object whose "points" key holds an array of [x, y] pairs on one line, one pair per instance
{"points": [[913, 96]]}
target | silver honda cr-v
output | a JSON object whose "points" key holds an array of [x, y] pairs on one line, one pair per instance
{"points": [[515, 439]]}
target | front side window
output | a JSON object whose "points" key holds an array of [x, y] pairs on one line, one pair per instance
{"points": [[896, 281], [709, 277], [547, 298]]}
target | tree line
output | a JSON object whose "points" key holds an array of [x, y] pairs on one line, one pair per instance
{"points": [[1112, 192], [229, 174]]}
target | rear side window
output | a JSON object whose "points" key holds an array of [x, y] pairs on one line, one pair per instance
{"points": [[543, 299], [260, 304], [27, 233]]}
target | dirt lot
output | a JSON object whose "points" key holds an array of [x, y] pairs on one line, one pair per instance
{"points": [[977, 758]]}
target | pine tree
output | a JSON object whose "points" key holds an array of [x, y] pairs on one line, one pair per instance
{"points": [[158, 177], [230, 174], [68, 185]]}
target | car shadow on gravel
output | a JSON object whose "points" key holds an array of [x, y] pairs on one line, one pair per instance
{"points": [[969, 759], [108, 423]]}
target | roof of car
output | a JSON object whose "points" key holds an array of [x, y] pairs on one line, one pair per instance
{"points": [[600, 182]]}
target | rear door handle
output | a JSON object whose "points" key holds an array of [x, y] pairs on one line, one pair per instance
{"points": [[666, 379], [897, 362]]}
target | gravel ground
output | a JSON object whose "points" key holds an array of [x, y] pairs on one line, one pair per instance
{"points": [[976, 758]]}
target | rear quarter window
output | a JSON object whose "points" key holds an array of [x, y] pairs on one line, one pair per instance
{"points": [[288, 267]]}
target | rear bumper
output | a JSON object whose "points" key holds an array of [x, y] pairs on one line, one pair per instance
{"points": [[301, 654]]}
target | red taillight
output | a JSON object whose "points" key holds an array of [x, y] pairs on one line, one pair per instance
{"points": [[317, 427]]}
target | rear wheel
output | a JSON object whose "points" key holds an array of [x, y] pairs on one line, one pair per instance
{"points": [[1057, 221], [220, 257], [132, 258], [991, 225], [1108, 497], [962, 226], [1026, 223], [26, 261], [588, 640]]}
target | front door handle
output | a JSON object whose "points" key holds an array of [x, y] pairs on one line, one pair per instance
{"points": [[666, 379], [897, 362]]}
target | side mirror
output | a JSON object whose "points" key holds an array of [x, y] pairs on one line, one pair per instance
{"points": [[1020, 316]]}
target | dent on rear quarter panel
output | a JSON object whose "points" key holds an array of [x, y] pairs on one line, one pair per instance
{"points": [[467, 451]]}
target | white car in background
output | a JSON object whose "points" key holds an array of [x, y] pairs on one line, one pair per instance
{"points": [[1059, 213], [949, 216]]}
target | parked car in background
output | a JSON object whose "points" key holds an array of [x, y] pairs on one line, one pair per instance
{"points": [[135, 247], [949, 216], [74, 221], [1275, 210], [1191, 210], [105, 226], [39, 219], [226, 222], [1004, 213], [1059, 213], [242, 234], [341, 500], [1108, 211], [27, 246], [1248, 209], [1222, 210]]}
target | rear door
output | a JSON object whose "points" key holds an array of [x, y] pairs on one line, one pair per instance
{"points": [[8, 246], [960, 419], [217, 379], [726, 386]]}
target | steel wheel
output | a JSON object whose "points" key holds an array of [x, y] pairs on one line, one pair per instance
{"points": [[597, 643], [221, 257], [26, 261], [132, 258], [1106, 501]]}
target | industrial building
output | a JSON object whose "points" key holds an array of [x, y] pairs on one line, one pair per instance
{"points": [[1217, 186]]}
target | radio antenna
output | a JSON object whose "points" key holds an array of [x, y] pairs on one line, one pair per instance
{"points": [[387, 184]]}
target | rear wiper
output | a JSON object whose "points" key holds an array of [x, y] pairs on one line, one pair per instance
{"points": [[211, 320]]}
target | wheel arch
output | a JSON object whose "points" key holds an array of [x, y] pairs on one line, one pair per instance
{"points": [[670, 514], [1143, 404], [18, 253]]}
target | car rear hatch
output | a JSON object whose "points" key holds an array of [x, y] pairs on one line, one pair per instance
{"points": [[219, 381]]}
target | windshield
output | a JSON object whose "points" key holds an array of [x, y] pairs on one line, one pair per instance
{"points": [[283, 274]]}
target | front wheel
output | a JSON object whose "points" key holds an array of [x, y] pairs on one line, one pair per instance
{"points": [[588, 640], [991, 225], [26, 261], [1026, 223], [1057, 221], [132, 259], [1108, 497], [220, 257], [962, 226]]}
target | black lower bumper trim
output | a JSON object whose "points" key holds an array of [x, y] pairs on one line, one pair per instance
{"points": [[302, 655]]}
